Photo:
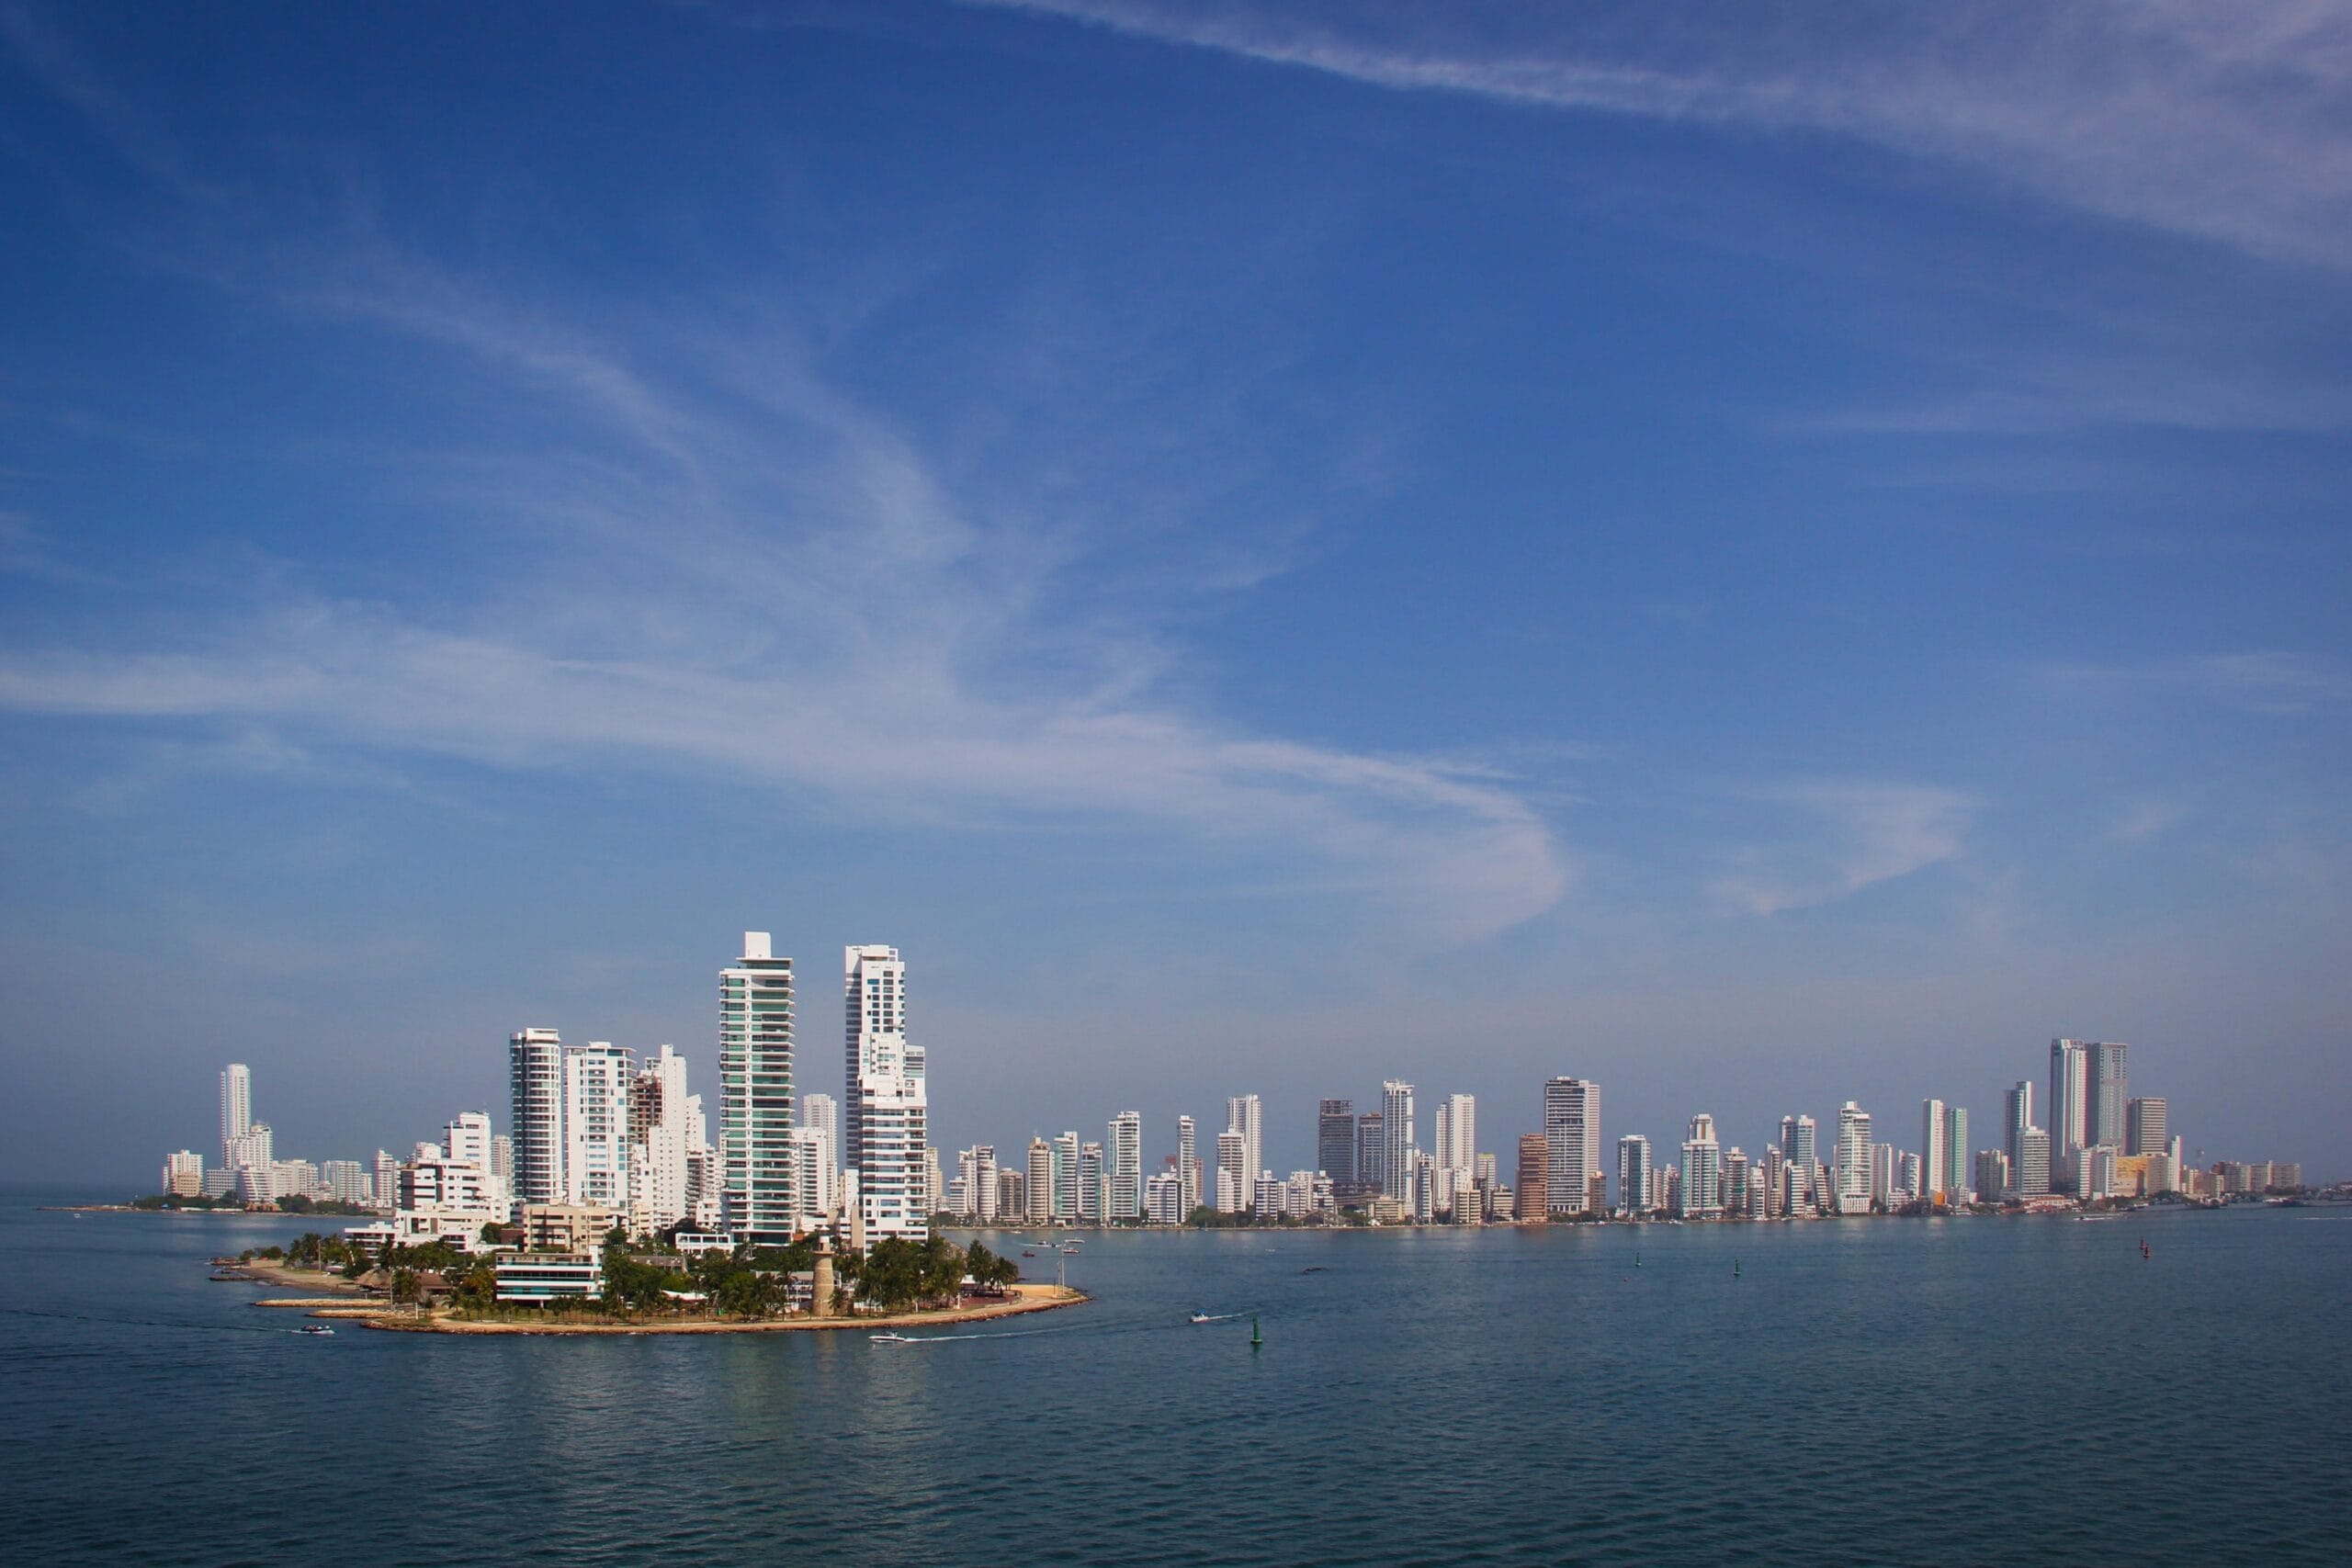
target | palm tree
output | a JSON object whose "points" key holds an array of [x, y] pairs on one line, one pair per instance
{"points": [[404, 1287]]}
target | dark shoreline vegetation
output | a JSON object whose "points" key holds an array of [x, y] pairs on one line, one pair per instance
{"points": [[229, 1204]]}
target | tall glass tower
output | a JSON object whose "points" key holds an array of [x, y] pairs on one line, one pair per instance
{"points": [[758, 1174]]}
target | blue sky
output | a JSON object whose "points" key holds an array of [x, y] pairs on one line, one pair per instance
{"points": [[1761, 556]]}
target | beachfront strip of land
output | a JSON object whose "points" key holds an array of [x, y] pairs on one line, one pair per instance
{"points": [[346, 1303]]}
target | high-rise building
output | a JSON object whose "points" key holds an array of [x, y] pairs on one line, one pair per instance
{"points": [[595, 1124], [1335, 1140], [534, 1080], [1066, 1176], [2016, 1116], [1372, 1154], [502, 1163], [1943, 1151], [1244, 1115], [1953, 1180], [1529, 1202], [2104, 1108], [976, 1168], [1800, 1192], [1572, 1131], [1632, 1173], [1935, 1153], [251, 1159], [2029, 1177], [1040, 1182], [821, 1110], [465, 1139], [2144, 1126], [759, 1186], [1396, 1134], [2070, 1087], [819, 1137], [184, 1174], [660, 1143], [1701, 1189], [1236, 1188], [1886, 1176], [1992, 1172], [1163, 1199], [236, 1107], [887, 1132], [1093, 1181], [1458, 1131], [816, 1175], [1188, 1166], [1011, 1194], [345, 1181], [1125, 1153], [1851, 1173]]}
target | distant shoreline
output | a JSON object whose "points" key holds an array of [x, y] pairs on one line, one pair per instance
{"points": [[1027, 1299], [230, 1213]]}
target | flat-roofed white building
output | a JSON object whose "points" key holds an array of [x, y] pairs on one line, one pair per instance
{"points": [[534, 1278]]}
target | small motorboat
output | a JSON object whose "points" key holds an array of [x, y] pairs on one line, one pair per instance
{"points": [[1201, 1317], [314, 1328], [1312, 1269], [889, 1339]]}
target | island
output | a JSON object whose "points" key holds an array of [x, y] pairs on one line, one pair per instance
{"points": [[633, 1290]]}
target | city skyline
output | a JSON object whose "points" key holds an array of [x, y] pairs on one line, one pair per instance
{"points": [[569, 1106], [1252, 540]]}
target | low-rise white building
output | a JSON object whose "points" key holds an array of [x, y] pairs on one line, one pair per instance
{"points": [[535, 1278]]}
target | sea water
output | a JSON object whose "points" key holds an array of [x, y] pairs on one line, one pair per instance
{"points": [[2013, 1391]]}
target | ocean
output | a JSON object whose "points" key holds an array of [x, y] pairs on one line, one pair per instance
{"points": [[1883, 1390]]}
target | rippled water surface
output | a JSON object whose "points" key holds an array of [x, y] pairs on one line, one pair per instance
{"points": [[1949, 1392]]}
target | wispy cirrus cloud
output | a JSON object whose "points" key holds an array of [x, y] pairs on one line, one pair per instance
{"points": [[728, 567], [2273, 682], [2223, 122], [1853, 835]]}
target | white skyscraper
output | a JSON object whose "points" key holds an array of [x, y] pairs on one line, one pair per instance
{"points": [[817, 1143], [1932, 1153], [1039, 1188], [885, 1138], [595, 1124], [976, 1168], [1242, 1114], [2018, 1116], [535, 1077], [1065, 1172], [2070, 1090], [1851, 1176], [820, 1111], [1632, 1173], [1458, 1131], [1235, 1188], [661, 1143], [1800, 1185], [465, 1139], [1703, 1162], [1572, 1142], [815, 1175], [1123, 1150], [1397, 1139], [1188, 1166], [759, 1200], [236, 1107]]}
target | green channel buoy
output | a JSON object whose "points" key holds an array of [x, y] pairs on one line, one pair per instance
{"points": [[1256, 1338]]}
